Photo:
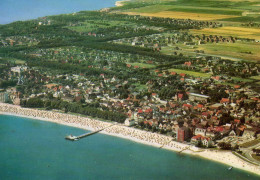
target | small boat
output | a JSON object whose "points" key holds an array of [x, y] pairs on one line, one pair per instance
{"points": [[230, 168]]}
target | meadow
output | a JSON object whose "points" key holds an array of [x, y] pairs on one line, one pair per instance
{"points": [[241, 50]]}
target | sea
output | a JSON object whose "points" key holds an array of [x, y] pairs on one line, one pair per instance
{"points": [[16, 10], [34, 149]]}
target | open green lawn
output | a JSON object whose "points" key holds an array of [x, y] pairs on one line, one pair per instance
{"points": [[140, 87], [255, 77], [250, 143], [90, 25], [142, 65], [191, 73], [242, 79], [242, 50], [13, 60]]}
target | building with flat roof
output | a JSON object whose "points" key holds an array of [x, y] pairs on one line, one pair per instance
{"points": [[198, 97]]}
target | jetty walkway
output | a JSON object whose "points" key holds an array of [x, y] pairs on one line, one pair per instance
{"points": [[75, 138]]}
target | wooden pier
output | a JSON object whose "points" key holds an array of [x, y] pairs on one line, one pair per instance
{"points": [[75, 138]]}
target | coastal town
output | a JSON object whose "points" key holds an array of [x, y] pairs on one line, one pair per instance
{"points": [[148, 76]]}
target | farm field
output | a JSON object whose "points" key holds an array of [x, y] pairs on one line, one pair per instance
{"points": [[232, 10], [183, 15], [242, 50], [240, 32]]}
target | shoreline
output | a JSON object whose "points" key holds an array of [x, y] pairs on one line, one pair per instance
{"points": [[133, 134], [120, 3]]}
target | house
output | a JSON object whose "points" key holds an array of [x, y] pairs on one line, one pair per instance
{"points": [[199, 139], [200, 131], [129, 122], [232, 133], [224, 101], [206, 141], [196, 139]]}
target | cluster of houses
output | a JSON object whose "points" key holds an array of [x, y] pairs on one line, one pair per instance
{"points": [[156, 41], [18, 41], [189, 115]]}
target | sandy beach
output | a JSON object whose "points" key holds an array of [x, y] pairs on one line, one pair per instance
{"points": [[120, 3], [133, 134]]}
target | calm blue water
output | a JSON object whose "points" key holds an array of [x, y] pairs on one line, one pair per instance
{"points": [[14, 10], [32, 149]]}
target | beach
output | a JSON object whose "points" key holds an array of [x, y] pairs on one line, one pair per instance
{"points": [[130, 133], [120, 3]]}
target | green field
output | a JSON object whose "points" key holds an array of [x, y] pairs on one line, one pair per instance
{"points": [[142, 65], [191, 73], [90, 25], [12, 60], [242, 50], [238, 79], [208, 10]]}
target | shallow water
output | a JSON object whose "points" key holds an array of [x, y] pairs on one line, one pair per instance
{"points": [[33, 149]]}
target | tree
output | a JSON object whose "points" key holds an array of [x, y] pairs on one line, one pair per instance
{"points": [[224, 146]]}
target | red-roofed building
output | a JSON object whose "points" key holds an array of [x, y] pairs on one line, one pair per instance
{"points": [[149, 110], [182, 74], [183, 134], [237, 86], [219, 129], [140, 111], [154, 94], [224, 100], [187, 106], [187, 63], [180, 96], [173, 73], [217, 78], [200, 106]]}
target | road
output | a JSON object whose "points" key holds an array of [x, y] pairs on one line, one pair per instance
{"points": [[248, 153]]}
